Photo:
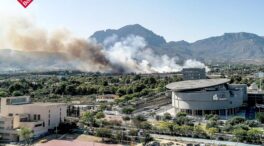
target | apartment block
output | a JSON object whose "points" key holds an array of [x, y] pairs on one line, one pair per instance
{"points": [[18, 112]]}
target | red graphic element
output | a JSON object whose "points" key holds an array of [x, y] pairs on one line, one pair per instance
{"points": [[25, 3]]}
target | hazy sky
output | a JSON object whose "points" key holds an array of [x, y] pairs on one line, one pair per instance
{"points": [[189, 20]]}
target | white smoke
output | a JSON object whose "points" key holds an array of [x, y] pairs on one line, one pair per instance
{"points": [[195, 64], [132, 54], [120, 55]]}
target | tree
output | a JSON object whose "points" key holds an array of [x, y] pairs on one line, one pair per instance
{"points": [[212, 131], [198, 131], [15, 87], [254, 135], [260, 117], [186, 130], [236, 120], [145, 125], [166, 126], [121, 91], [147, 138], [88, 119], [133, 132], [99, 115], [241, 126], [252, 123], [214, 118], [102, 107], [240, 134], [181, 114], [140, 118], [128, 110], [17, 93], [211, 124], [183, 121], [167, 116], [3, 94], [138, 87], [126, 118], [26, 134]]}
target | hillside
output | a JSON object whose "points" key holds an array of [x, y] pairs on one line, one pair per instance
{"points": [[238, 47], [151, 38]]}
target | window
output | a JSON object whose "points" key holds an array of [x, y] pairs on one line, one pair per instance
{"points": [[38, 125], [18, 101], [23, 119], [10, 115], [38, 117], [35, 117]]}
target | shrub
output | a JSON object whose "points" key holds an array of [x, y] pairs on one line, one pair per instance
{"points": [[3, 94], [17, 93], [103, 132], [236, 120], [260, 117], [252, 123], [181, 114], [99, 115], [128, 110], [167, 116]]}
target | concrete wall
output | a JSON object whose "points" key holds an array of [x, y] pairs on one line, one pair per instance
{"points": [[47, 114], [207, 100], [6, 131]]}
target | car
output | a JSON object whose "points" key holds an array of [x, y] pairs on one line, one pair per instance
{"points": [[43, 141]]}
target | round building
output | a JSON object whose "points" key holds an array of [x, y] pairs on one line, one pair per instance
{"points": [[207, 96]]}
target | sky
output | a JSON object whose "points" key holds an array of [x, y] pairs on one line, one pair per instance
{"points": [[189, 20]]}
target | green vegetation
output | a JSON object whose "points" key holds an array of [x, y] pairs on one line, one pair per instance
{"points": [[133, 89], [260, 117], [243, 130], [56, 88], [26, 135]]}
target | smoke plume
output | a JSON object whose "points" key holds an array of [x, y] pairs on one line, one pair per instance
{"points": [[120, 55], [133, 55], [25, 36]]}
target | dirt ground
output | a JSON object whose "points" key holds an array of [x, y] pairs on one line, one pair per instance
{"points": [[71, 137]]}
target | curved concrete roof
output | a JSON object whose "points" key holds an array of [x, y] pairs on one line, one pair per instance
{"points": [[195, 84]]}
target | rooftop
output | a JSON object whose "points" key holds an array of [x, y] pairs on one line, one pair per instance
{"points": [[41, 104], [195, 84]]}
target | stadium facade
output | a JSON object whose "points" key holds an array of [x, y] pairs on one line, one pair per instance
{"points": [[207, 96]]}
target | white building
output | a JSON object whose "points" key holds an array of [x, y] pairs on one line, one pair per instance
{"points": [[207, 96], [17, 112]]}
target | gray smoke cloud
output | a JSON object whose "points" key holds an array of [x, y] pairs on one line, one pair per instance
{"points": [[124, 55], [24, 35]]}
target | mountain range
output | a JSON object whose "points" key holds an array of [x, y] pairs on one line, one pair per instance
{"points": [[238, 47]]}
